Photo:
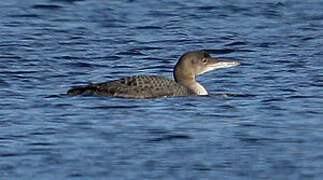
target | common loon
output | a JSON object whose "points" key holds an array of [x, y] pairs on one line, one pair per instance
{"points": [[190, 65]]}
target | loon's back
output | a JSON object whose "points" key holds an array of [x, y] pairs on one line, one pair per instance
{"points": [[135, 87]]}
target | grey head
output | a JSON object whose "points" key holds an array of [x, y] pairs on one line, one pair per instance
{"points": [[195, 63]]}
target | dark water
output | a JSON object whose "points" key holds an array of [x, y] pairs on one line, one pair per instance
{"points": [[272, 129]]}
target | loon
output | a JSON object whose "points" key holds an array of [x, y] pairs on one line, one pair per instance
{"points": [[189, 65]]}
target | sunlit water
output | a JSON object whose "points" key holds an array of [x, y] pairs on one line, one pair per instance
{"points": [[272, 128]]}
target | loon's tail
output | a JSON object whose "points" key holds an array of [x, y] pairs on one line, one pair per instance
{"points": [[73, 92], [81, 90]]}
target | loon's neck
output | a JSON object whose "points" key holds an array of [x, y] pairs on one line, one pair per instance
{"points": [[196, 87], [192, 84], [187, 79]]}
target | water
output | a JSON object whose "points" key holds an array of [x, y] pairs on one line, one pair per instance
{"points": [[271, 129]]}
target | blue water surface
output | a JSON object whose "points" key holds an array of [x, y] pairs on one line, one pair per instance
{"points": [[270, 128]]}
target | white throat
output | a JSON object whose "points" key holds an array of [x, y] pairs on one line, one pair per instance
{"points": [[198, 89]]}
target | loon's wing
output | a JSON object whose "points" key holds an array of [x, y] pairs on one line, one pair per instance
{"points": [[135, 87]]}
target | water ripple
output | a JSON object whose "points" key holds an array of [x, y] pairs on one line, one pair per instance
{"points": [[47, 6]]}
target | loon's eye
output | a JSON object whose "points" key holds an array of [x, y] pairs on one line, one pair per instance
{"points": [[204, 60]]}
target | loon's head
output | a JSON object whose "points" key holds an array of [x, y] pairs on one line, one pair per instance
{"points": [[195, 63]]}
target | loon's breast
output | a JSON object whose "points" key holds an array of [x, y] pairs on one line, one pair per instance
{"points": [[135, 87]]}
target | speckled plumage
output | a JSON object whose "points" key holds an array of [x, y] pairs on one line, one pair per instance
{"points": [[135, 87]]}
